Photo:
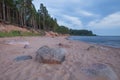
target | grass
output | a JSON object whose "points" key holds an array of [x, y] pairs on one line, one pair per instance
{"points": [[17, 33]]}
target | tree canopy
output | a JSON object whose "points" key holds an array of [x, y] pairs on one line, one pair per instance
{"points": [[81, 32], [24, 14]]}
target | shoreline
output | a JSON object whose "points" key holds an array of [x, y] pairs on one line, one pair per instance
{"points": [[99, 44], [78, 55]]}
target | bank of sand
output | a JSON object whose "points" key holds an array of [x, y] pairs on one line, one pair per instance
{"points": [[78, 55]]}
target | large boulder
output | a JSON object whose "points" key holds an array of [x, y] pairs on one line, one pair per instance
{"points": [[50, 55]]}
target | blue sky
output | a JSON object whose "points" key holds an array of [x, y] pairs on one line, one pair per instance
{"points": [[100, 16]]}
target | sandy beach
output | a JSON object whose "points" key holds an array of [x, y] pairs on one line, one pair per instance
{"points": [[79, 55]]}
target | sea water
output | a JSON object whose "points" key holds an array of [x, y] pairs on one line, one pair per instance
{"points": [[112, 41]]}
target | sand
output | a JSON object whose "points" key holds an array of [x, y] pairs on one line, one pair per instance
{"points": [[79, 55]]}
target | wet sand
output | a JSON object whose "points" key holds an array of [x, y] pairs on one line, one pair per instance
{"points": [[78, 56]]}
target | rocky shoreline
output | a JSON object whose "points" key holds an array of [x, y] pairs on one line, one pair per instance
{"points": [[83, 61]]}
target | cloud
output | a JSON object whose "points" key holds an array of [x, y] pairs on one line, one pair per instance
{"points": [[71, 22], [54, 12], [110, 21], [64, 3], [87, 14], [109, 25]]}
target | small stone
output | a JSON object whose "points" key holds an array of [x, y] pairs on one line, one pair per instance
{"points": [[64, 45], [60, 44], [27, 46], [17, 42], [22, 58], [90, 47]]}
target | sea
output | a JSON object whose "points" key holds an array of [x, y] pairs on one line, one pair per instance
{"points": [[110, 41]]}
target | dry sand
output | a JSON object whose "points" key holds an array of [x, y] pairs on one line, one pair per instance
{"points": [[78, 55]]}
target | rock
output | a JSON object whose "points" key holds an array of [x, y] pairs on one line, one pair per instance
{"points": [[17, 42], [100, 70], [60, 44], [27, 46], [97, 48], [64, 45], [22, 58], [50, 55], [90, 47]]}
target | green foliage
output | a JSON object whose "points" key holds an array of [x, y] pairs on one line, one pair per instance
{"points": [[65, 30], [46, 22], [9, 34], [62, 30], [17, 33], [81, 32]]}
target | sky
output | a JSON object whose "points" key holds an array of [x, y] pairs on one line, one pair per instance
{"points": [[100, 16]]}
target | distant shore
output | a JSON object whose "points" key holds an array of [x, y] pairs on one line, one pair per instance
{"points": [[78, 55]]}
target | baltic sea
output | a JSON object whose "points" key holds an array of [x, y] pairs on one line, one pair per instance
{"points": [[111, 41]]}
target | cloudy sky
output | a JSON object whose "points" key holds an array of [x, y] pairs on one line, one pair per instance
{"points": [[100, 16]]}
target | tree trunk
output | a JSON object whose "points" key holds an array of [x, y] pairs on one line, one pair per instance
{"points": [[21, 18], [8, 14], [0, 11], [24, 18], [24, 14], [13, 20], [44, 22], [3, 3], [17, 17]]}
